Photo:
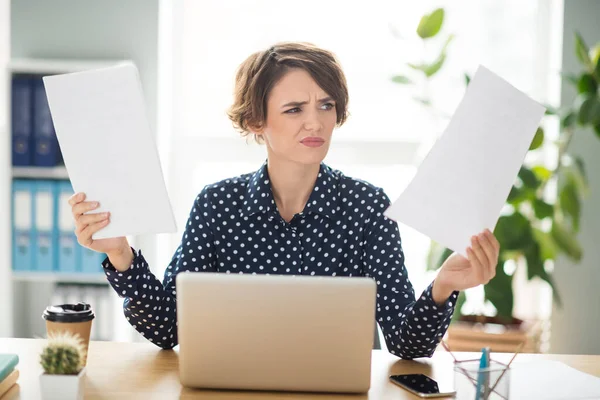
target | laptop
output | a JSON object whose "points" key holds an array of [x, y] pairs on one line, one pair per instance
{"points": [[275, 332]]}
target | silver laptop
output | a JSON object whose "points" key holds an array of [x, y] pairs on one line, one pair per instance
{"points": [[272, 332]]}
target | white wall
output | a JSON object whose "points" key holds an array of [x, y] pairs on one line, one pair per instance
{"points": [[576, 327], [5, 153], [112, 29]]}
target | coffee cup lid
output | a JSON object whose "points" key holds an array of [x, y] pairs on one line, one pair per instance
{"points": [[80, 312]]}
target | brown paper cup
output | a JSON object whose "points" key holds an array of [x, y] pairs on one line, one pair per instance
{"points": [[82, 329], [73, 318]]}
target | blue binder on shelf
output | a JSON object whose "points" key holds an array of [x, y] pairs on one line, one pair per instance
{"points": [[45, 240], [22, 120], [23, 255], [91, 261], [68, 247], [46, 151]]}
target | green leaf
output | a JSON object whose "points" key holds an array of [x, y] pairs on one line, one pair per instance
{"points": [[548, 247], [542, 209], [431, 24], [437, 255], [538, 139], [528, 178], [570, 203], [535, 264], [542, 173], [401, 79], [581, 168], [589, 109], [587, 84], [430, 69], [597, 130], [435, 67], [568, 120], [565, 239], [535, 267], [550, 110], [460, 301], [555, 294], [595, 112], [570, 77], [577, 174], [512, 231], [516, 196], [467, 79], [499, 291], [425, 102], [595, 56], [582, 51]]}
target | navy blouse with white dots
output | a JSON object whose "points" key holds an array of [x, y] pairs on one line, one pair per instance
{"points": [[234, 227]]}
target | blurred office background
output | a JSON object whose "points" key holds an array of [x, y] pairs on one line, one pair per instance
{"points": [[187, 52]]}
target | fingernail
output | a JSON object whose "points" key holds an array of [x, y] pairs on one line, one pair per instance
{"points": [[95, 204], [105, 215]]}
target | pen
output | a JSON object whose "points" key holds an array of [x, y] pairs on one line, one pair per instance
{"points": [[480, 379], [486, 375]]}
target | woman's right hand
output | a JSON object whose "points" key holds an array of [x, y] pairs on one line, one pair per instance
{"points": [[87, 224]]}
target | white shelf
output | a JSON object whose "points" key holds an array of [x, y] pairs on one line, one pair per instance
{"points": [[75, 277], [40, 172], [56, 66]]}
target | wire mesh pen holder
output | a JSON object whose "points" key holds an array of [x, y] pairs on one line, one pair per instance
{"points": [[493, 383]]}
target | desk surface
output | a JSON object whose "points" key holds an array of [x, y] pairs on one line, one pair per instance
{"points": [[118, 370]]}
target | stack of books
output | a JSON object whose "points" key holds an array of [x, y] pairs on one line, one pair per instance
{"points": [[8, 372]]}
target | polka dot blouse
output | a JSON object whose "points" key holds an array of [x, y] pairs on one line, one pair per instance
{"points": [[234, 227]]}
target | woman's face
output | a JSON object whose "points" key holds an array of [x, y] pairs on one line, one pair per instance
{"points": [[300, 119]]}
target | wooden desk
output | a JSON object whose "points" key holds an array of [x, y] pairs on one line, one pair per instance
{"points": [[143, 371]]}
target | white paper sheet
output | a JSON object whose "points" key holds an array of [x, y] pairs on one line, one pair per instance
{"points": [[108, 148], [551, 380], [463, 182]]}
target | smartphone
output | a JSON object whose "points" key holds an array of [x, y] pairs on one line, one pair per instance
{"points": [[422, 385]]}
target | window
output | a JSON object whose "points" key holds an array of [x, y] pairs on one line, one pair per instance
{"points": [[388, 132]]}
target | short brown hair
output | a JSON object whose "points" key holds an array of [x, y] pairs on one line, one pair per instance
{"points": [[257, 75]]}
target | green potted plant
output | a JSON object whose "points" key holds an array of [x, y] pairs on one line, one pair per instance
{"points": [[536, 225], [62, 361]]}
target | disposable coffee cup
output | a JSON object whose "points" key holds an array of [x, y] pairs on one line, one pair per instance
{"points": [[73, 318]]}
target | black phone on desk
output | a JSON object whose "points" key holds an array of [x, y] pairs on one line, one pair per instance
{"points": [[422, 385]]}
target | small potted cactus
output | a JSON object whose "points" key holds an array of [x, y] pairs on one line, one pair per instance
{"points": [[62, 361]]}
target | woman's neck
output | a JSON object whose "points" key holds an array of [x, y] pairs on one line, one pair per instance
{"points": [[291, 183]]}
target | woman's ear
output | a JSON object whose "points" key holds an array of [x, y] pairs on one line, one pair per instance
{"points": [[256, 129], [259, 135]]}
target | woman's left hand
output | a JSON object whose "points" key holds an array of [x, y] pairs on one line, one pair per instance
{"points": [[459, 273]]}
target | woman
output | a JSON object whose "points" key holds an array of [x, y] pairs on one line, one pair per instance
{"points": [[294, 215]]}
